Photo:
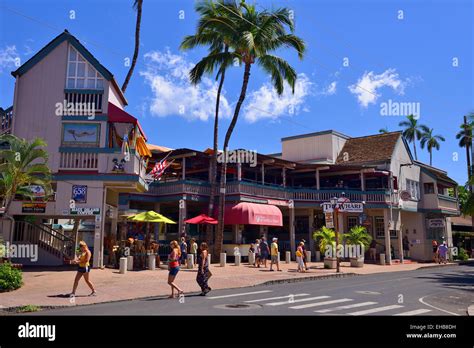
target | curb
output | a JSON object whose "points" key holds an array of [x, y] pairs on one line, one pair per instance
{"points": [[438, 266]]}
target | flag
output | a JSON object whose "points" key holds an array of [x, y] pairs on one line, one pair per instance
{"points": [[159, 169]]}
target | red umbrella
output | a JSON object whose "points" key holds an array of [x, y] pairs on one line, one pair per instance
{"points": [[201, 219]]}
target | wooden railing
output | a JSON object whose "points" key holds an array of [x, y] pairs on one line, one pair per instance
{"points": [[81, 98], [448, 202], [79, 161], [179, 187]]}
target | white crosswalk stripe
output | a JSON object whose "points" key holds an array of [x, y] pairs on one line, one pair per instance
{"points": [[324, 303], [375, 310], [276, 298], [355, 305], [240, 294], [295, 301], [415, 312]]}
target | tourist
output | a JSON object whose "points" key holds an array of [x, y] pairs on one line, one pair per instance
{"points": [[299, 258], [83, 268], [304, 255], [406, 247], [193, 249], [173, 267], [443, 253], [434, 244], [373, 250], [184, 251], [257, 253], [264, 251], [204, 273], [274, 255]]}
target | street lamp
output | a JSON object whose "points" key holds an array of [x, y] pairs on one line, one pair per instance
{"points": [[335, 207]]}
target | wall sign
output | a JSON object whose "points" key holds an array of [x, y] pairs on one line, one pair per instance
{"points": [[85, 211], [33, 208], [79, 193], [436, 223]]}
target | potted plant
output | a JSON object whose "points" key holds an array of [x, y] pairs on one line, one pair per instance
{"points": [[358, 237], [326, 239]]}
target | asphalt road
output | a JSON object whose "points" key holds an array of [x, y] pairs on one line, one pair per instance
{"points": [[436, 291]]}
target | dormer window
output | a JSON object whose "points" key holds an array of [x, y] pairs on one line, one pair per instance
{"points": [[81, 74]]}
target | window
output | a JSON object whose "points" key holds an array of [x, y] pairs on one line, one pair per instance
{"points": [[81, 74], [352, 221], [428, 187], [414, 188], [379, 226]]}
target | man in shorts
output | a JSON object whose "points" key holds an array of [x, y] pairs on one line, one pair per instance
{"points": [[274, 255]]}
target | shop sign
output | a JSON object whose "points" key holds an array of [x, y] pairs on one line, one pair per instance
{"points": [[435, 223], [329, 221], [79, 193], [33, 208], [277, 202], [37, 191], [85, 211]]}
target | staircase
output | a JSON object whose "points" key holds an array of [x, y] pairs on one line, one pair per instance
{"points": [[53, 246]]}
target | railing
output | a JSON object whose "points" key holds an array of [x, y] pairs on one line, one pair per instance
{"points": [[79, 161], [177, 187], [242, 187], [80, 98], [46, 238], [6, 121], [448, 202]]}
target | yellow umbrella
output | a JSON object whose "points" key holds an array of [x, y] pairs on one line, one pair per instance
{"points": [[151, 216]]}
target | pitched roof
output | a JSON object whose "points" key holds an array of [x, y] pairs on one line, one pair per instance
{"points": [[435, 173], [66, 36], [368, 149]]}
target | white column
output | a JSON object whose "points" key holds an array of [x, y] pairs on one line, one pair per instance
{"points": [[317, 180], [292, 228]]}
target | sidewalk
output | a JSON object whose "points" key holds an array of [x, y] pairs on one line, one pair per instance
{"points": [[48, 287]]}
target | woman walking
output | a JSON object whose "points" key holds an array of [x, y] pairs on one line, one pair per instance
{"points": [[257, 253], [204, 273], [299, 258], [173, 267], [184, 251], [83, 269]]}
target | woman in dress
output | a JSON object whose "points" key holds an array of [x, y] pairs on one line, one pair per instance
{"points": [[203, 274], [173, 267]]}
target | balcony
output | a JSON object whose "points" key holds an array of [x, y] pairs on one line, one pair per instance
{"points": [[84, 97], [448, 203], [6, 118]]}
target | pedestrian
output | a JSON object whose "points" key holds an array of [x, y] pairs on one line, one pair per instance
{"points": [[443, 253], [406, 247], [274, 255], [193, 249], [204, 273], [173, 267], [264, 251], [373, 249], [183, 246], [83, 268], [257, 253], [434, 244], [304, 254], [299, 258]]}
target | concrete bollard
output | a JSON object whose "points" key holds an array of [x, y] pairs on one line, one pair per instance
{"points": [[129, 263], [251, 258], [152, 262], [223, 259], [190, 261], [237, 260], [209, 259], [318, 256], [308, 256], [123, 265], [382, 259], [288, 256], [278, 258]]}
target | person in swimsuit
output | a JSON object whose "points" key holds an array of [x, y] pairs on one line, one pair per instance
{"points": [[173, 267], [83, 269]]}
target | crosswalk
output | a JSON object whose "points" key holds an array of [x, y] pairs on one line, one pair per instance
{"points": [[323, 304]]}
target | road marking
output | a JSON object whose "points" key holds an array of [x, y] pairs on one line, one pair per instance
{"points": [[355, 305], [241, 294], [276, 298], [375, 310], [439, 309], [309, 305], [295, 301], [415, 312]]}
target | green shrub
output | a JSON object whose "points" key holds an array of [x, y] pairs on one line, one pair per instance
{"points": [[28, 308], [10, 278], [462, 255]]}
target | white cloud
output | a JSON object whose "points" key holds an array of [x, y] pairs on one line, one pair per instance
{"points": [[366, 87], [173, 94], [265, 102], [8, 58], [331, 89]]}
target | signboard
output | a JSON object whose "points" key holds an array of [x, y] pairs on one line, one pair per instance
{"points": [[36, 191], [277, 202], [347, 207], [435, 223], [405, 195], [79, 193], [327, 207], [329, 221], [85, 211], [33, 208]]}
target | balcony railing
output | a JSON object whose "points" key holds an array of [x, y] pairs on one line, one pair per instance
{"points": [[181, 187], [79, 98], [78, 161], [448, 202]]}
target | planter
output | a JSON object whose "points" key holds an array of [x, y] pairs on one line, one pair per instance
{"points": [[357, 261], [318, 255], [330, 262]]}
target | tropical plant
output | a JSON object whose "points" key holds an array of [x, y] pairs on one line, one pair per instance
{"points": [[325, 237], [261, 33], [384, 130], [430, 141], [358, 235], [10, 278], [137, 5], [465, 140], [462, 255], [412, 131], [23, 164]]}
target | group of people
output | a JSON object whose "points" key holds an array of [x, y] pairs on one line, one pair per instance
{"points": [[440, 252]]}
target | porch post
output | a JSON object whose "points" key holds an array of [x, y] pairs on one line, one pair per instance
{"points": [[386, 220], [263, 173], [183, 169], [317, 179], [310, 231], [292, 227], [182, 216], [283, 173], [239, 171], [362, 180]]}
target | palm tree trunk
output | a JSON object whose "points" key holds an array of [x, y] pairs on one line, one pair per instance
{"points": [[220, 226], [137, 45], [431, 157], [209, 236], [414, 148]]}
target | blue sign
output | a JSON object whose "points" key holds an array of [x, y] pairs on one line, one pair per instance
{"points": [[79, 193]]}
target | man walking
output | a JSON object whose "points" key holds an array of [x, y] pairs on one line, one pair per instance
{"points": [[274, 254], [264, 251]]}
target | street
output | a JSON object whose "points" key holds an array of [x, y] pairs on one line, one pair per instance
{"points": [[433, 291]]}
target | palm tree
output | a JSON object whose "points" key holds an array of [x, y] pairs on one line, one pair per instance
{"points": [[431, 141], [137, 5], [261, 33], [384, 130], [217, 31], [412, 131], [358, 235], [465, 140]]}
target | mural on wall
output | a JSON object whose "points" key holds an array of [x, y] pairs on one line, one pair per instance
{"points": [[81, 134]]}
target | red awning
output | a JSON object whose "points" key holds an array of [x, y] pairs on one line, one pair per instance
{"points": [[201, 219], [117, 115], [253, 214]]}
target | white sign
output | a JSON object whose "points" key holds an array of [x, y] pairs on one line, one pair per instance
{"points": [[352, 208], [327, 207], [329, 221], [435, 223], [85, 211]]}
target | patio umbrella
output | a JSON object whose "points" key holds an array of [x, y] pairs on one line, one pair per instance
{"points": [[202, 219], [150, 216]]}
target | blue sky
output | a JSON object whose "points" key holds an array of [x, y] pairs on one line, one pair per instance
{"points": [[407, 59]]}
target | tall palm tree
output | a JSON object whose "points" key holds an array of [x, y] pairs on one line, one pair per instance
{"points": [[261, 33], [465, 140], [217, 31], [430, 141], [412, 131], [383, 130], [137, 5]]}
